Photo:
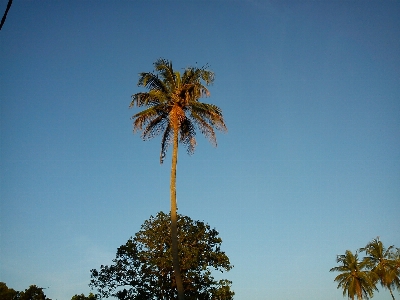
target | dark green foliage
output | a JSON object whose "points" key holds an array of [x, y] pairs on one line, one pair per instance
{"points": [[83, 297], [32, 293], [143, 266], [7, 293]]}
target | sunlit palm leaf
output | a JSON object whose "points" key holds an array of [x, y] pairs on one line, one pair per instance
{"points": [[205, 128], [143, 118], [209, 113]]}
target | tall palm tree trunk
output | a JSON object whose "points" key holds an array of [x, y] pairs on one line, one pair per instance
{"points": [[174, 225]]}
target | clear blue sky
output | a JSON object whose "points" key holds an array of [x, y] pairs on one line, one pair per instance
{"points": [[309, 168]]}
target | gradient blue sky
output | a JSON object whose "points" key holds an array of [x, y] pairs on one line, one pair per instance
{"points": [[310, 165]]}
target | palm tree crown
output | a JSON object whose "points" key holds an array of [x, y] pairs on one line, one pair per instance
{"points": [[173, 105], [379, 261], [355, 281]]}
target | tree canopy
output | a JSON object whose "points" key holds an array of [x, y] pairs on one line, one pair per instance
{"points": [[32, 293], [7, 293], [91, 296], [143, 269]]}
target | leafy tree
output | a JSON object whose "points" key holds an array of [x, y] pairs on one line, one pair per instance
{"points": [[223, 290], [173, 109], [354, 279], [32, 293], [143, 268], [7, 293], [83, 297], [379, 261]]}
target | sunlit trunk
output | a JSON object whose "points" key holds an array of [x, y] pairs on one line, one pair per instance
{"points": [[174, 225]]}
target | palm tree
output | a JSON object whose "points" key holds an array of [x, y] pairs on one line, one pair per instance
{"points": [[395, 272], [379, 261], [354, 279], [173, 109]]}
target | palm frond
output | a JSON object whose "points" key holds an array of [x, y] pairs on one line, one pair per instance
{"points": [[178, 80], [205, 128], [193, 74], [165, 142], [193, 77], [143, 118], [158, 97], [164, 68], [207, 75], [187, 135], [155, 127], [211, 114], [146, 99], [151, 81]]}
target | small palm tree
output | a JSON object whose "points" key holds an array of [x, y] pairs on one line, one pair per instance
{"points": [[354, 279], [173, 109]]}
